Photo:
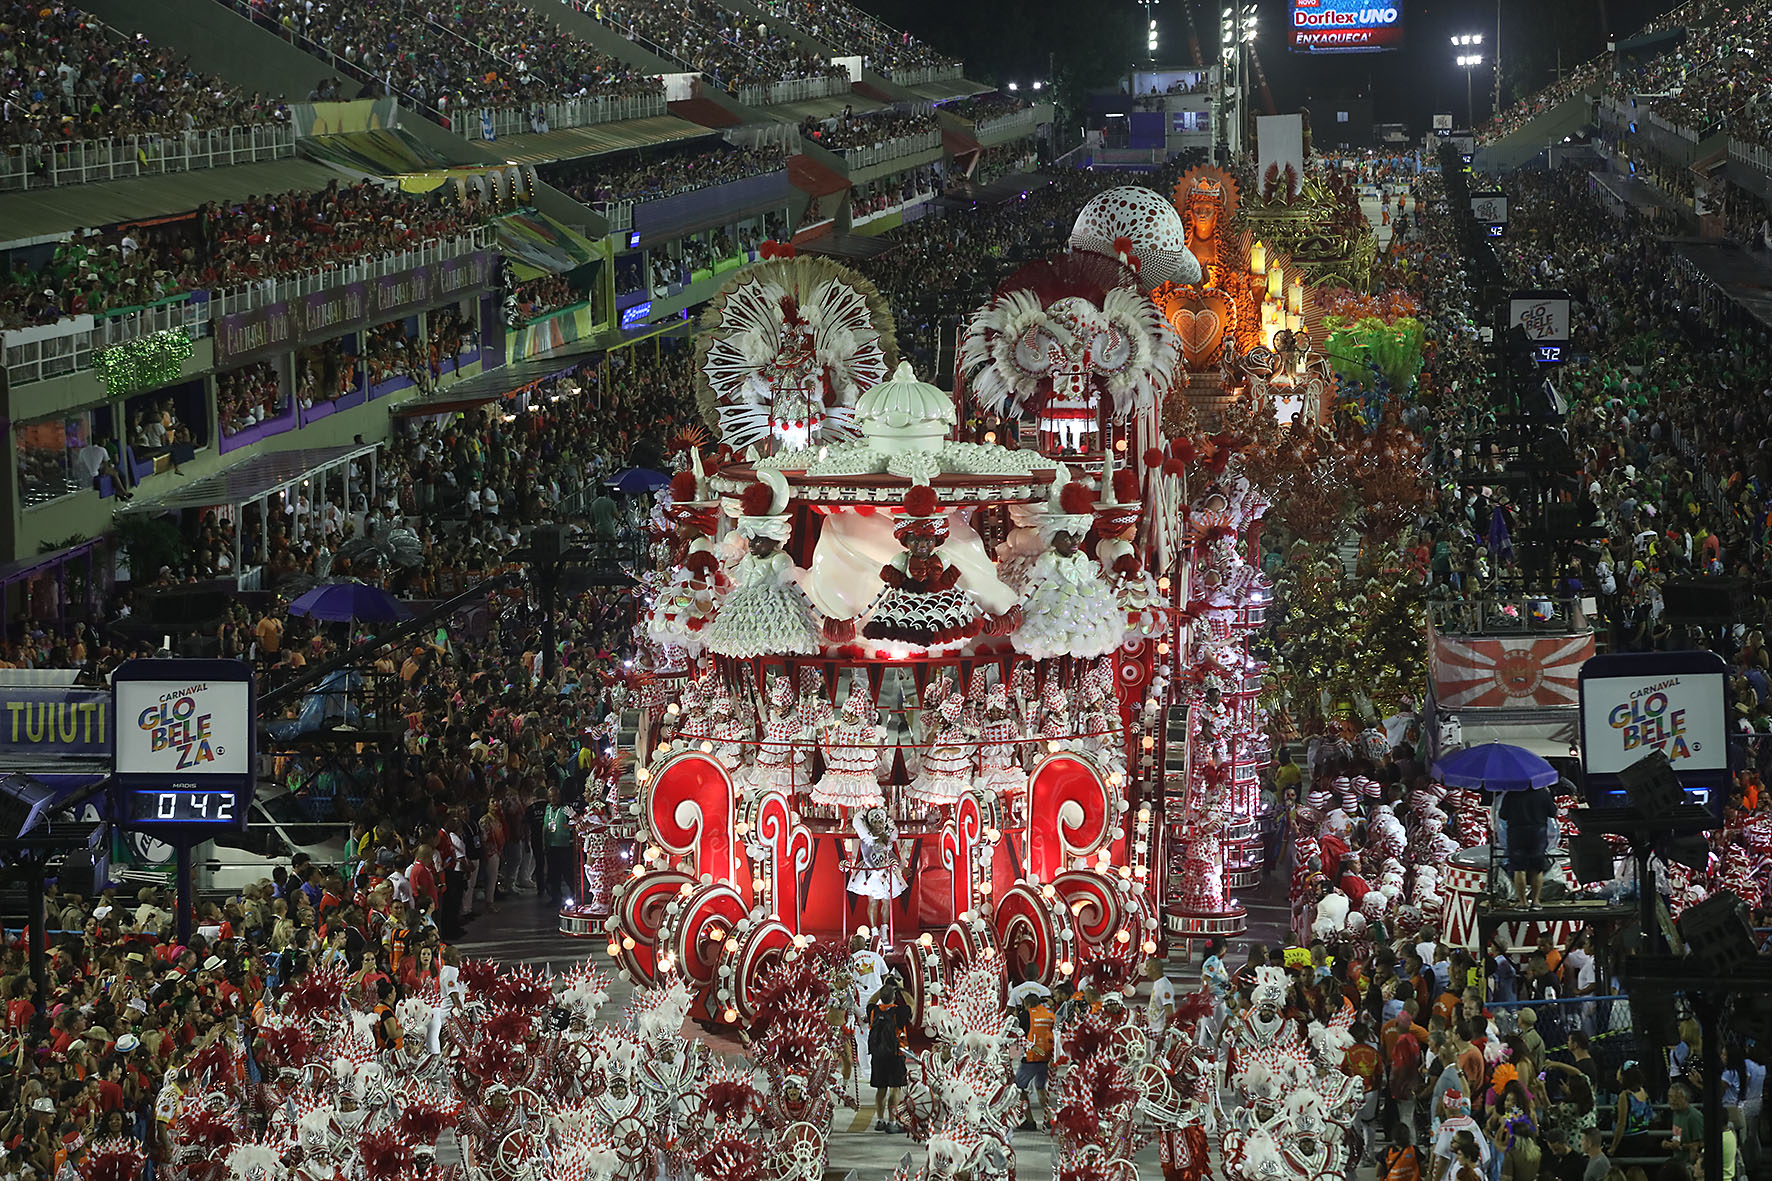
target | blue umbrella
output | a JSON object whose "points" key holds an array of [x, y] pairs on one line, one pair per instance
{"points": [[343, 602], [639, 479], [1495, 766]]}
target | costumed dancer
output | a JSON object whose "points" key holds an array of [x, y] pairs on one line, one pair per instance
{"points": [[1055, 713], [1068, 610], [777, 758], [998, 768], [1116, 521], [875, 872], [852, 746], [947, 765], [730, 733], [921, 604], [765, 613], [693, 723], [1101, 721], [678, 621]]}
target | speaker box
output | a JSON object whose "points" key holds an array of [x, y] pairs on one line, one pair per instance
{"points": [[1704, 602], [1651, 786], [547, 543], [1590, 859]]}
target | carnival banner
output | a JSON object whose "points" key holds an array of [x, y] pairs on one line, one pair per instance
{"points": [[280, 326], [1513, 672], [55, 722]]}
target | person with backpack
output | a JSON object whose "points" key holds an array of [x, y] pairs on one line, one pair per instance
{"points": [[1402, 1160], [387, 1026], [889, 1015]]}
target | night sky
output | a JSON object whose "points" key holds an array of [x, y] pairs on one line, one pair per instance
{"points": [[1005, 39]]}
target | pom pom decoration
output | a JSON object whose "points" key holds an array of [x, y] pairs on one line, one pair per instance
{"points": [[425, 1117], [1076, 498], [112, 1160], [683, 487], [1153, 457], [1183, 451], [383, 1156], [920, 501], [755, 500], [1173, 467], [1126, 486]]}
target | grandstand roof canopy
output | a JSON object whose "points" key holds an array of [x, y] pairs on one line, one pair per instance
{"points": [[38, 213], [574, 142]]}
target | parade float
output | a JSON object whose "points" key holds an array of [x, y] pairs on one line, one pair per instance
{"points": [[963, 678]]}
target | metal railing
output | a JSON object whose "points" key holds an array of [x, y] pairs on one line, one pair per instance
{"points": [[619, 215], [923, 75], [1018, 121], [84, 161], [792, 90], [1508, 615], [1752, 155], [559, 116], [251, 296], [55, 354], [37, 354], [892, 149]]}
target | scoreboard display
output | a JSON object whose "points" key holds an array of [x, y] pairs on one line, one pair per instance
{"points": [[1345, 26]]}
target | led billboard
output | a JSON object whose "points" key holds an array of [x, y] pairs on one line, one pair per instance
{"points": [[1345, 26]]}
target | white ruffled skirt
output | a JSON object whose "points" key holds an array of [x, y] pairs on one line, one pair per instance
{"points": [[764, 619]]}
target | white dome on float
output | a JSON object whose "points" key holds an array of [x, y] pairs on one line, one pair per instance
{"points": [[1150, 223], [905, 414]]}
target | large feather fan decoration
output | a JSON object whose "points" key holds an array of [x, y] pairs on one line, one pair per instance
{"points": [[787, 347], [1081, 312]]}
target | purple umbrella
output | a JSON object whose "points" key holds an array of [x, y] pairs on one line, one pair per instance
{"points": [[344, 602], [1495, 766]]}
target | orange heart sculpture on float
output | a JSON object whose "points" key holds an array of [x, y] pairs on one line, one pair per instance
{"points": [[1200, 319]]}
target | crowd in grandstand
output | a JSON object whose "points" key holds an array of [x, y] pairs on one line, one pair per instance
{"points": [[484, 55], [537, 297], [69, 76], [601, 181], [247, 396], [866, 129], [717, 40], [849, 29], [1711, 76], [1669, 420], [223, 245], [985, 106]]}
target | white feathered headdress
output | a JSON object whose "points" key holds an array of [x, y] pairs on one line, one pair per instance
{"points": [[1270, 987], [254, 1160], [658, 1013], [788, 347], [1077, 315]]}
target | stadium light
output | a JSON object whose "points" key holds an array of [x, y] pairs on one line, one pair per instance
{"points": [[1468, 62], [1013, 86]]}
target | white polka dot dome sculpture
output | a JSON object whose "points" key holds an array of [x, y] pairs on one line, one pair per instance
{"points": [[1133, 222]]}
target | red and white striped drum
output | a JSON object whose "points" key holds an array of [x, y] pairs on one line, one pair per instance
{"points": [[1463, 885]]}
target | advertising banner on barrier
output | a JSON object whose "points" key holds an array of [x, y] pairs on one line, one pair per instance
{"points": [[55, 723], [279, 326]]}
